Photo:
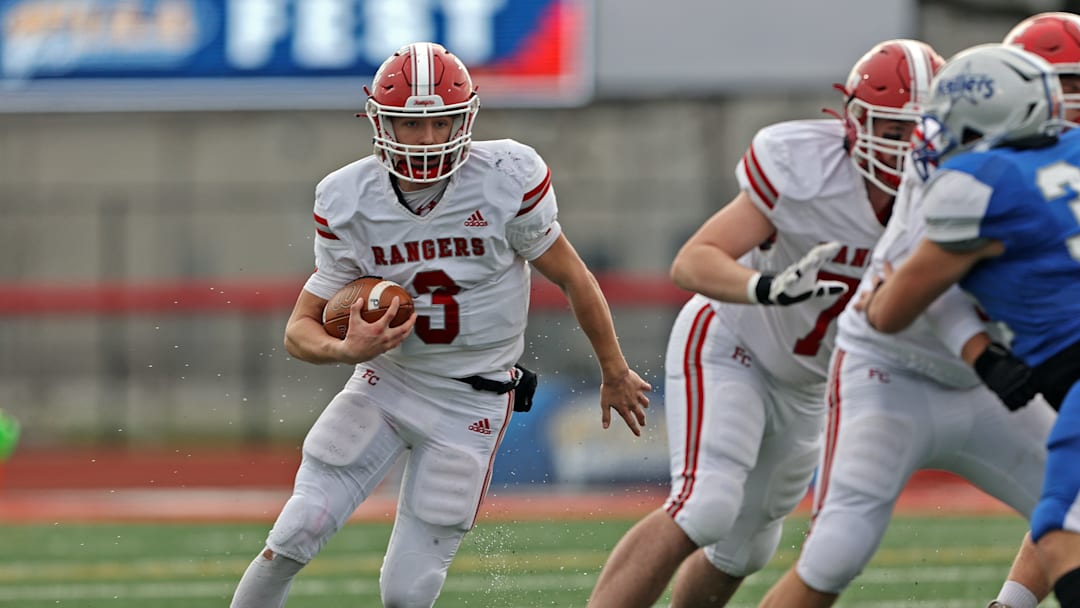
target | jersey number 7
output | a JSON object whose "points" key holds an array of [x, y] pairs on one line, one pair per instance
{"points": [[810, 344]]}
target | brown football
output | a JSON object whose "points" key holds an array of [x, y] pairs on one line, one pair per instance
{"points": [[376, 293]]}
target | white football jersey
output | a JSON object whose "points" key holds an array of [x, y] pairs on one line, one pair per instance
{"points": [[798, 175], [931, 345], [464, 262]]}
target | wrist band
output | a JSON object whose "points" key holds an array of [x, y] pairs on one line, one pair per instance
{"points": [[758, 287], [751, 288]]}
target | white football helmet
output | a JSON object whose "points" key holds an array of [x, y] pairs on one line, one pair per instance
{"points": [[986, 96]]}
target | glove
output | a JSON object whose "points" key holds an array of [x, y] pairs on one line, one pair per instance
{"points": [[525, 389], [1006, 375], [797, 282]]}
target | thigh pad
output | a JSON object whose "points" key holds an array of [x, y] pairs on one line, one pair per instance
{"points": [[346, 428], [444, 486]]}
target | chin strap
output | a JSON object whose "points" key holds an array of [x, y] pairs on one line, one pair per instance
{"points": [[841, 117]]}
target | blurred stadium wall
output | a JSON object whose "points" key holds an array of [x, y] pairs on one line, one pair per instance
{"points": [[150, 258]]}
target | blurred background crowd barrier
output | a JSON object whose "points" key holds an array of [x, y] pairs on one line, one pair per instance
{"points": [[158, 160]]}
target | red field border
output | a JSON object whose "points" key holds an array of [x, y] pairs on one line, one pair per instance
{"points": [[49, 486], [269, 295]]}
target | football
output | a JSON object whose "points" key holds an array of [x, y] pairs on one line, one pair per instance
{"points": [[376, 294]]}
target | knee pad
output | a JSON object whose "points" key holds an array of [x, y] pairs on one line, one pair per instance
{"points": [[836, 552], [343, 431], [412, 585], [870, 468], [444, 485], [741, 558], [711, 514], [760, 549], [416, 562], [707, 493], [302, 528], [772, 491]]}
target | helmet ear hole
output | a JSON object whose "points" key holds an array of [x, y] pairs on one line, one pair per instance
{"points": [[969, 135], [1030, 110]]}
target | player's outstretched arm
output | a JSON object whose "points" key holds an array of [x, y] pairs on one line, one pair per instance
{"points": [[621, 388], [900, 298], [708, 262], [306, 339]]}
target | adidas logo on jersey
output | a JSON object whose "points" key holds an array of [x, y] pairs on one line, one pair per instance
{"points": [[481, 426], [476, 220]]}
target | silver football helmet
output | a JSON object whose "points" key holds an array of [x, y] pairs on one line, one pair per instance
{"points": [[986, 96]]}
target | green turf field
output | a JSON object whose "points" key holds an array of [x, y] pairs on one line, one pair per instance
{"points": [[941, 562]]}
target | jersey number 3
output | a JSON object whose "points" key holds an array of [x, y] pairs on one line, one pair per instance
{"points": [[1062, 179], [442, 289]]}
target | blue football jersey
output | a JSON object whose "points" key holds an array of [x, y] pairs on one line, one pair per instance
{"points": [[1030, 201]]}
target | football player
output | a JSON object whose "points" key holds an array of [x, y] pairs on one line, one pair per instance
{"points": [[747, 357], [910, 401], [459, 224], [1002, 220], [1056, 38]]}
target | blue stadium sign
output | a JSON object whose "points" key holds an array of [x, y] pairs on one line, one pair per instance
{"points": [[62, 55]]}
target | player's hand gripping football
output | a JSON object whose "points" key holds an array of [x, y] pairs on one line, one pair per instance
{"points": [[365, 341], [797, 282], [625, 393]]}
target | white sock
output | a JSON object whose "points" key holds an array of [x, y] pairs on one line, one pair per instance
{"points": [[1015, 595], [266, 582]]}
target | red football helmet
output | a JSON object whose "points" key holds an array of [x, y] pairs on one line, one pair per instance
{"points": [[887, 83], [1056, 38], [422, 80]]}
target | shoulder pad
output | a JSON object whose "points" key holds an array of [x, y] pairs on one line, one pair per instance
{"points": [[792, 160]]}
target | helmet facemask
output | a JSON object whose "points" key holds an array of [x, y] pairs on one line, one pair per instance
{"points": [[879, 158], [1069, 76], [422, 163]]}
